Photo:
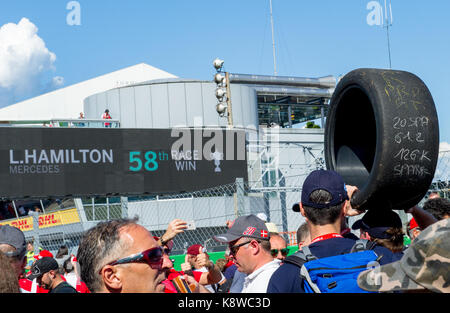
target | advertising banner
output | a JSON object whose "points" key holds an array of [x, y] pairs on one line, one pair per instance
{"points": [[58, 218]]}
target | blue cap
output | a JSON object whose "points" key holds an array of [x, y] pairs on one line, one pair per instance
{"points": [[327, 180]]}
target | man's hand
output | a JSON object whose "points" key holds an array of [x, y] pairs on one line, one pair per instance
{"points": [[194, 285], [175, 227], [349, 211], [186, 266], [203, 259]]}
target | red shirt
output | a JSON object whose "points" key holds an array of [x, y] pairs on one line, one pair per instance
{"points": [[230, 262], [28, 286], [80, 286]]}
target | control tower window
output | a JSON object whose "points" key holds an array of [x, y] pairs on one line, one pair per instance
{"points": [[291, 111]]}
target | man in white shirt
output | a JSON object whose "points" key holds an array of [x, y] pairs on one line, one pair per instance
{"points": [[248, 240]]}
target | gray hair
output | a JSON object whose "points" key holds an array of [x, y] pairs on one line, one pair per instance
{"points": [[100, 245]]}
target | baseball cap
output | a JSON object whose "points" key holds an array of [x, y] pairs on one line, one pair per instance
{"points": [[413, 224], [424, 264], [194, 249], [42, 266], [327, 180], [245, 226], [14, 237], [376, 222]]}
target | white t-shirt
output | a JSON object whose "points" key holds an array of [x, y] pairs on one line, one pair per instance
{"points": [[71, 278], [258, 281]]}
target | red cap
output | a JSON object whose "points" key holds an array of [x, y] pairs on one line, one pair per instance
{"points": [[43, 254], [413, 224], [194, 249]]}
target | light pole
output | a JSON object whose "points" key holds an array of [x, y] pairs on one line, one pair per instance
{"points": [[223, 92], [387, 17]]}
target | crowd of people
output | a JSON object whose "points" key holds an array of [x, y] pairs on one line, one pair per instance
{"points": [[122, 256]]}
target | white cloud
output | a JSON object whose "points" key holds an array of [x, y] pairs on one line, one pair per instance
{"points": [[24, 62], [58, 81], [444, 146]]}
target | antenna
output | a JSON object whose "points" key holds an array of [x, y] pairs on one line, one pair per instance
{"points": [[388, 17], [273, 42]]}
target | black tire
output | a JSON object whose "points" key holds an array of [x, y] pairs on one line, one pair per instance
{"points": [[382, 135]]}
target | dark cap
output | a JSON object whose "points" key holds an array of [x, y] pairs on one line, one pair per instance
{"points": [[106, 111], [249, 226], [14, 237], [376, 222], [42, 266], [327, 180]]}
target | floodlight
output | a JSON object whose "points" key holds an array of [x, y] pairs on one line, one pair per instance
{"points": [[218, 63], [219, 78], [221, 107], [220, 92]]}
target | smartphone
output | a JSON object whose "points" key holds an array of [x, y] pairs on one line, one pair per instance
{"points": [[190, 225]]}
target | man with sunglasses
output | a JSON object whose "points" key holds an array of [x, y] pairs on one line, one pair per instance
{"points": [[248, 240], [278, 246], [121, 256]]}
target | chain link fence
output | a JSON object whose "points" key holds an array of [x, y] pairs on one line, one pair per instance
{"points": [[441, 179]]}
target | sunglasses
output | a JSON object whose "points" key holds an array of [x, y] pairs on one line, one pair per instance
{"points": [[284, 251], [153, 257], [234, 249]]}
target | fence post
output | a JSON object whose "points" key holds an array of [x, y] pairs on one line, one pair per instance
{"points": [[107, 208], [240, 195], [15, 209], [36, 242], [93, 208], [80, 208], [124, 205], [283, 204]]}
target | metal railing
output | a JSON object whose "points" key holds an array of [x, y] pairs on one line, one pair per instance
{"points": [[60, 122]]}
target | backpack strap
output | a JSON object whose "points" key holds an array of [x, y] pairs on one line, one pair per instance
{"points": [[308, 255], [362, 245], [300, 257], [304, 274]]}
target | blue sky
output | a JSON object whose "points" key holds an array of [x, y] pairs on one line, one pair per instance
{"points": [[313, 38]]}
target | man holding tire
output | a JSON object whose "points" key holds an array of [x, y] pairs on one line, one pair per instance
{"points": [[324, 203]]}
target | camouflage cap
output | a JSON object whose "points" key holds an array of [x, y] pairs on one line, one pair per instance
{"points": [[424, 265]]}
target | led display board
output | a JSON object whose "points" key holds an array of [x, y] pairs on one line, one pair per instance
{"points": [[77, 162]]}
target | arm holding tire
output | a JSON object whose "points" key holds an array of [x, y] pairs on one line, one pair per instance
{"points": [[422, 217]]}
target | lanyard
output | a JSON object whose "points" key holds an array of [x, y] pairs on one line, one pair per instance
{"points": [[327, 236]]}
